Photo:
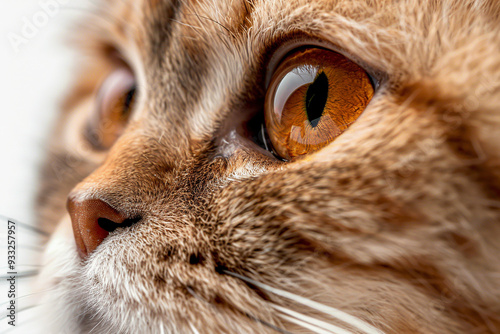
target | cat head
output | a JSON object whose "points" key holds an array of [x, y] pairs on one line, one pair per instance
{"points": [[193, 208]]}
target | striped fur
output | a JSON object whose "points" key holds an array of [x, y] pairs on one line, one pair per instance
{"points": [[392, 228]]}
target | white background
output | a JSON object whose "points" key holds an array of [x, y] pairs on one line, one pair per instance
{"points": [[33, 80]]}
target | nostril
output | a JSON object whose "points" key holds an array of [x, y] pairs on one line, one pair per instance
{"points": [[107, 225], [110, 226], [92, 221]]}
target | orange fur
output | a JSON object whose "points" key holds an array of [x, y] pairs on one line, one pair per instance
{"points": [[396, 222]]}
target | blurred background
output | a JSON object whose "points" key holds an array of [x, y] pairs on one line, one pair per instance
{"points": [[36, 69]]}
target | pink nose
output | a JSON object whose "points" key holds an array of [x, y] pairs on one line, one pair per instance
{"points": [[92, 221]]}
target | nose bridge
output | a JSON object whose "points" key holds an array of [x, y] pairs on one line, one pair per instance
{"points": [[136, 168]]}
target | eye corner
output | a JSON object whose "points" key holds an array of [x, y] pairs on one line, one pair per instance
{"points": [[255, 131], [377, 77]]}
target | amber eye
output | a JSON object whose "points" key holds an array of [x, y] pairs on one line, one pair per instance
{"points": [[313, 97], [115, 101]]}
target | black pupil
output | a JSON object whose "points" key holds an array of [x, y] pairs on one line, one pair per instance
{"points": [[316, 97], [129, 99]]}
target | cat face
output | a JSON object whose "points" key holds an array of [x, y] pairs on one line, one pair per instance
{"points": [[192, 208]]}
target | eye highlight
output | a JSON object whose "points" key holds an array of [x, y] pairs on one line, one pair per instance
{"points": [[313, 97], [115, 102]]}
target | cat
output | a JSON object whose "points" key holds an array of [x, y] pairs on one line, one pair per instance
{"points": [[246, 166]]}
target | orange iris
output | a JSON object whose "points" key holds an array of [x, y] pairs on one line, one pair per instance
{"points": [[313, 97]]}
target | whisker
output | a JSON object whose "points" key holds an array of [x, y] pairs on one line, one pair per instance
{"points": [[214, 21], [265, 323], [328, 328], [23, 265], [23, 323], [96, 325], [25, 274], [197, 296], [26, 226], [186, 25], [22, 310], [307, 325], [336, 313], [195, 331], [26, 296]]}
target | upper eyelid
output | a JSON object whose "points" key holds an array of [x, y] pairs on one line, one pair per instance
{"points": [[289, 46]]}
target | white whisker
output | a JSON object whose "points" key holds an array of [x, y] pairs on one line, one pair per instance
{"points": [[313, 321], [195, 331], [22, 266], [25, 296], [307, 325], [25, 321], [336, 313], [28, 227], [22, 310], [195, 295], [21, 275], [96, 325]]}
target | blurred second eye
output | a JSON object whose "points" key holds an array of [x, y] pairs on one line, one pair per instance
{"points": [[114, 105]]}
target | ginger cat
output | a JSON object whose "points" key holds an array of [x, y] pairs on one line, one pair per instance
{"points": [[247, 166]]}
